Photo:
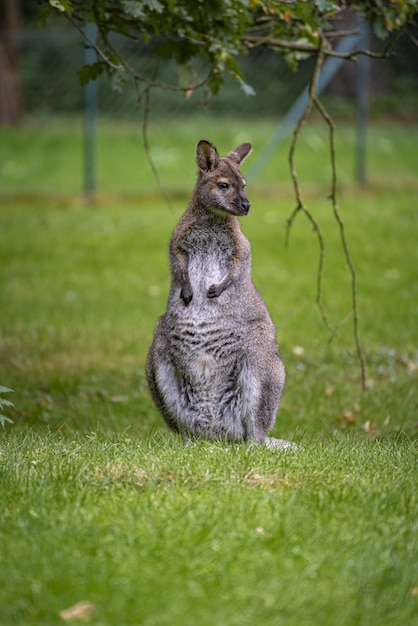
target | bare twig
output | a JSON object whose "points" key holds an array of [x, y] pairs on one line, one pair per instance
{"points": [[117, 67], [312, 88], [301, 205], [333, 197]]}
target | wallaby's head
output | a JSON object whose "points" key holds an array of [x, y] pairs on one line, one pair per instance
{"points": [[220, 186]]}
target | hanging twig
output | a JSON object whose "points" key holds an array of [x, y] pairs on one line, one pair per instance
{"points": [[333, 197], [301, 205], [145, 118]]}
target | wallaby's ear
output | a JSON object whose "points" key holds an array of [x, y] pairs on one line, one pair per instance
{"points": [[240, 153], [207, 156]]}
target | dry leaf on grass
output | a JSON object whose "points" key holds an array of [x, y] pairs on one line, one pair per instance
{"points": [[80, 611], [349, 418], [370, 429], [119, 399]]}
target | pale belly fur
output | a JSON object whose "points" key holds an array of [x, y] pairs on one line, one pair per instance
{"points": [[212, 380]]}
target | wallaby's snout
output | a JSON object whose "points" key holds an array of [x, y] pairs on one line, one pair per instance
{"points": [[244, 203], [237, 203]]}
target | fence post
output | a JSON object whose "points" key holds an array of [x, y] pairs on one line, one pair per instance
{"points": [[363, 76], [90, 106]]}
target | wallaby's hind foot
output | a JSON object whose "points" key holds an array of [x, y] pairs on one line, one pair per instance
{"points": [[279, 444]]}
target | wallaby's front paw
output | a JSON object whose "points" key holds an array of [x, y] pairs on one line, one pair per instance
{"points": [[214, 291], [186, 294]]}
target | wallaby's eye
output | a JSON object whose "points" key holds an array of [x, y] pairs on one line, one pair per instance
{"points": [[223, 185]]}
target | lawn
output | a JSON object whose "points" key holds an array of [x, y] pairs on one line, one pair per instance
{"points": [[100, 502]]}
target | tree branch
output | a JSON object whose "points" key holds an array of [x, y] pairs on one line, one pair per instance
{"points": [[254, 41], [96, 48], [124, 66]]}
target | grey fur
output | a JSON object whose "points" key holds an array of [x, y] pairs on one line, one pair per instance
{"points": [[214, 368]]}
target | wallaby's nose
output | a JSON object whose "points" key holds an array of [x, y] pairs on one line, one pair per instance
{"points": [[245, 206]]}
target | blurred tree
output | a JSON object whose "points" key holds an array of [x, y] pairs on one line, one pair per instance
{"points": [[10, 94]]}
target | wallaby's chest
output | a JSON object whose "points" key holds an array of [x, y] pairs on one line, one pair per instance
{"points": [[204, 241], [209, 254]]}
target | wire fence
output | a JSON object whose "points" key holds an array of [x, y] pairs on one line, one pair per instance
{"points": [[49, 60], [50, 83]]}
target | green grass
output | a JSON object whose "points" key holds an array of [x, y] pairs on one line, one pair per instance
{"points": [[45, 156], [100, 502], [151, 532]]}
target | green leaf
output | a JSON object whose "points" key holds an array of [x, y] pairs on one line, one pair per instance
{"points": [[133, 8], [154, 5], [4, 419], [215, 82], [379, 27], [305, 11], [230, 61], [118, 82], [136, 8], [43, 15], [247, 89], [325, 6], [185, 76], [89, 72], [4, 402], [63, 6]]}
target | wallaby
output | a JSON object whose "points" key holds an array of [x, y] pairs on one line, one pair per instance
{"points": [[214, 368]]}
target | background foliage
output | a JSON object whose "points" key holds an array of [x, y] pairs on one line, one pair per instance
{"points": [[218, 32]]}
